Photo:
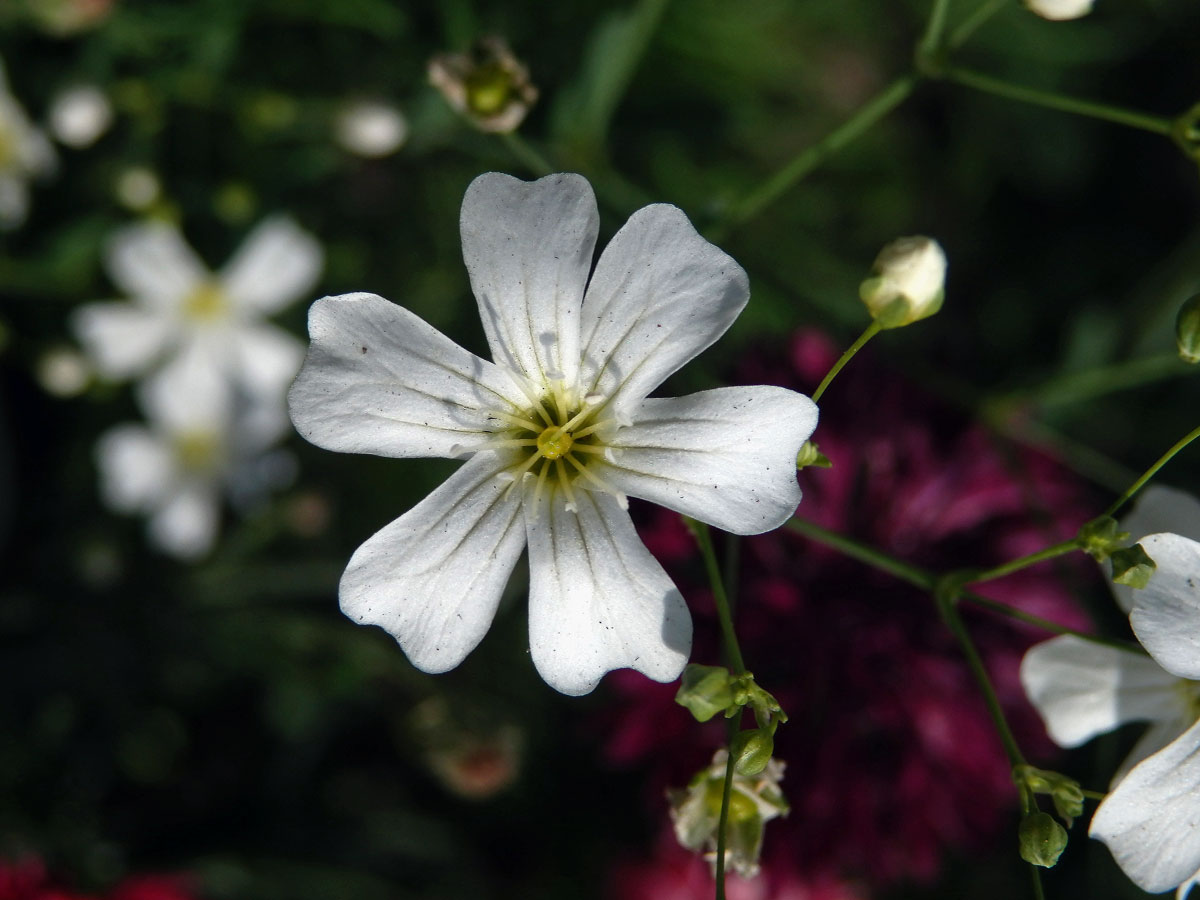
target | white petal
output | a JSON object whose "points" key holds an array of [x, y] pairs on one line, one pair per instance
{"points": [[528, 249], [726, 456], [151, 262], [266, 359], [1158, 508], [136, 468], [433, 578], [1153, 739], [186, 525], [14, 201], [1166, 613], [1151, 821], [378, 379], [660, 295], [121, 339], [1083, 689], [278, 263], [188, 394], [598, 600]]}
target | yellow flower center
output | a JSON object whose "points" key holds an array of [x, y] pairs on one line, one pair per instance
{"points": [[489, 89], [562, 435], [554, 442], [206, 303], [198, 451]]}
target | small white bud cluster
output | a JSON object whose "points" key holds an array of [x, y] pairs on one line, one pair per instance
{"points": [[907, 282]]}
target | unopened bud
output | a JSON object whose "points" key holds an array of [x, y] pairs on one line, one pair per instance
{"points": [[705, 691], [1060, 10], [1132, 566], [811, 455], [1187, 330], [488, 85], [907, 283], [752, 751], [1041, 839]]}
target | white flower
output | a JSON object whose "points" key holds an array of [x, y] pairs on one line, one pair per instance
{"points": [[177, 306], [556, 431], [137, 188], [1151, 819], [25, 153], [908, 282], [196, 447], [1060, 10], [79, 115], [371, 129]]}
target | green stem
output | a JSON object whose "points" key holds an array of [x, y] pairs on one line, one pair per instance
{"points": [[927, 581], [1038, 892], [931, 41], [863, 553], [946, 606], [1150, 472], [734, 652], [1075, 387], [527, 155], [992, 85], [872, 330], [723, 821], [816, 154], [1023, 562], [974, 22]]}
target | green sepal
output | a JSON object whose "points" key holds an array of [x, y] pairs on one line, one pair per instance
{"points": [[1100, 537], [810, 455], [1132, 566], [705, 691], [1041, 839], [752, 751], [1187, 330]]}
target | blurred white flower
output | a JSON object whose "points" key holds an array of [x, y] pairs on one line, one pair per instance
{"points": [[178, 307], [488, 85], [138, 188], [198, 445], [558, 429], [1060, 10], [371, 129], [79, 115], [63, 372], [1083, 689], [25, 153]]}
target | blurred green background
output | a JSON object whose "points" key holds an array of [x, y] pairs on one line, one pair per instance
{"points": [[223, 718]]}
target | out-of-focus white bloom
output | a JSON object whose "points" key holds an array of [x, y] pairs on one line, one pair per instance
{"points": [[67, 17], [371, 129], [1060, 10], [198, 444], [556, 431], [907, 283], [178, 307], [63, 372], [79, 115], [138, 188], [1082, 689], [25, 153]]}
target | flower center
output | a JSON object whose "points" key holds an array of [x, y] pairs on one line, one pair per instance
{"points": [[554, 442], [563, 436], [206, 303], [198, 451]]}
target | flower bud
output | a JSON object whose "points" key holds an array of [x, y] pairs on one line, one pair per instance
{"points": [[1132, 566], [907, 283], [752, 751], [1187, 330], [705, 691], [1060, 10], [488, 85], [1041, 839]]}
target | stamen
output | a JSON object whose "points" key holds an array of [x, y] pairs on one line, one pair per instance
{"points": [[593, 477], [537, 490], [595, 426], [586, 448], [518, 421], [515, 442], [519, 472], [561, 471]]}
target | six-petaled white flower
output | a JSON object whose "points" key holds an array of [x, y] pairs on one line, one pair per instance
{"points": [[1151, 819], [178, 307], [557, 429]]}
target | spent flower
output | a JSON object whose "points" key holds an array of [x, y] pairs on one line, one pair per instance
{"points": [[556, 431], [488, 85]]}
